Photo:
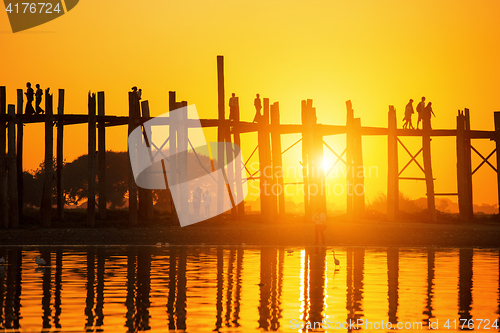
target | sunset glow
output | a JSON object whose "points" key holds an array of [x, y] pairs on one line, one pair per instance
{"points": [[374, 53]]}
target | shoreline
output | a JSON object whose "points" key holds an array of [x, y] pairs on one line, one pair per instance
{"points": [[251, 232]]}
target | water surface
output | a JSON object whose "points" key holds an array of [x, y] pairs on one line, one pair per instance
{"points": [[247, 289]]}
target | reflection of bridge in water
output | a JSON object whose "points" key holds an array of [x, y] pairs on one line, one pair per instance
{"points": [[269, 130], [188, 288]]}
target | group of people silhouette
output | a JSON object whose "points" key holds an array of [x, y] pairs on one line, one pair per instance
{"points": [[138, 92], [424, 114], [30, 95], [233, 103], [424, 111]]}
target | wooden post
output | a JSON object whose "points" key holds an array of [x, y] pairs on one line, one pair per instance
{"points": [[173, 154], [101, 155], [392, 167], [92, 161], [182, 162], [141, 193], [13, 199], [132, 187], [230, 157], [148, 194], [19, 155], [272, 197], [317, 197], [267, 206], [468, 165], [238, 171], [429, 181], [311, 121], [305, 155], [464, 173], [359, 180], [220, 130], [4, 211], [277, 159], [497, 144], [60, 156], [46, 206], [461, 186], [349, 159]]}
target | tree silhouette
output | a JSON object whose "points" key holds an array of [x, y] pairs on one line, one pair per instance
{"points": [[75, 181]]}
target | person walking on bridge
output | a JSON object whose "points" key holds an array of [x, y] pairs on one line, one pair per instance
{"points": [[427, 116], [420, 110], [408, 113]]}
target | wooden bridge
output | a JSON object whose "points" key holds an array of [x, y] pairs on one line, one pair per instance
{"points": [[269, 148]]}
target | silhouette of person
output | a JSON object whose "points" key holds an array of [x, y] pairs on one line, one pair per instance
{"points": [[319, 220], [408, 112], [420, 110], [207, 202], [137, 92], [29, 100], [233, 103], [427, 115], [258, 106], [197, 200], [38, 99]]}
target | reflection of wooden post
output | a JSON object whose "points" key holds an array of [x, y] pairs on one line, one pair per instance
{"points": [[465, 278], [220, 131], [101, 154], [359, 176], [132, 187], [20, 135], [392, 167], [349, 159], [3, 160], [59, 156], [497, 144], [429, 181], [46, 207], [13, 211], [277, 158], [393, 283], [92, 162], [267, 206], [238, 166]]}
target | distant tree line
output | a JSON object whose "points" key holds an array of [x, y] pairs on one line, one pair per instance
{"points": [[75, 181]]}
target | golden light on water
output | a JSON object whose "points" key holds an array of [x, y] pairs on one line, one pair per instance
{"points": [[245, 289]]}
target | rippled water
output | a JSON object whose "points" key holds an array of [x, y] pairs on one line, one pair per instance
{"points": [[247, 289]]}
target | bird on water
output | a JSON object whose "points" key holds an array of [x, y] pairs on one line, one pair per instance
{"points": [[337, 262], [40, 262]]}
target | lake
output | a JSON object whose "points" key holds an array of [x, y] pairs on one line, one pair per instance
{"points": [[248, 289]]}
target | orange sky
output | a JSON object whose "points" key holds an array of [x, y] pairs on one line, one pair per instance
{"points": [[373, 53]]}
